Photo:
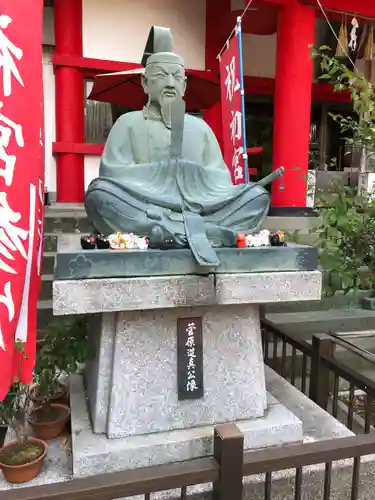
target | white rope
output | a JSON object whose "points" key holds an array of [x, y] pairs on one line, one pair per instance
{"points": [[334, 33], [239, 19], [324, 14]]}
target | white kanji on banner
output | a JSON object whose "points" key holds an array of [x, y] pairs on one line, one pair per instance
{"points": [[11, 236], [8, 51], [232, 83], [21, 185], [236, 126], [232, 105], [7, 129], [237, 164]]}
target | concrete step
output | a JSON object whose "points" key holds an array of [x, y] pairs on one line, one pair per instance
{"points": [[291, 224], [338, 301], [306, 323], [48, 263], [45, 316], [50, 242], [68, 220], [46, 289]]}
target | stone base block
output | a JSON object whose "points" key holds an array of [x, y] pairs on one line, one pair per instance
{"points": [[96, 454], [132, 384]]}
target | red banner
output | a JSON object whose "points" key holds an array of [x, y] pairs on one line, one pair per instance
{"points": [[231, 103], [21, 185]]}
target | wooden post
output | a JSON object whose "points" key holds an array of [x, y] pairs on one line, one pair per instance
{"points": [[228, 452], [322, 345]]}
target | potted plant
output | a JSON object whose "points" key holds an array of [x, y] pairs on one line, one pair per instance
{"points": [[49, 419], [20, 460], [345, 215], [65, 349], [47, 374], [345, 231]]}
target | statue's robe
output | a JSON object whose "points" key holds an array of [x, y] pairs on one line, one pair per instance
{"points": [[140, 187]]}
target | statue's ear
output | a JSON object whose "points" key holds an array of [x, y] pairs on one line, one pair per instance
{"points": [[144, 83]]}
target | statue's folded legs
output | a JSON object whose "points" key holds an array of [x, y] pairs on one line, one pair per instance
{"points": [[112, 209]]}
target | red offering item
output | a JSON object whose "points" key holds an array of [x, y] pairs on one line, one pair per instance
{"points": [[241, 241]]}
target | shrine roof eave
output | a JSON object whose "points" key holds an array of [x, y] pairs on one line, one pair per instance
{"points": [[355, 7]]}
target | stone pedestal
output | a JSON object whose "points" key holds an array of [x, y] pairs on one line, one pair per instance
{"points": [[136, 416], [135, 375]]}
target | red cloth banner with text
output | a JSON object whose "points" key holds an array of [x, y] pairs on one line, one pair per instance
{"points": [[21, 185], [231, 105]]}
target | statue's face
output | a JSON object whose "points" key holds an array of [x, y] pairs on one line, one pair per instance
{"points": [[164, 82]]}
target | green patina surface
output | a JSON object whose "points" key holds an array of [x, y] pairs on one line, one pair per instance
{"points": [[74, 263], [162, 174]]}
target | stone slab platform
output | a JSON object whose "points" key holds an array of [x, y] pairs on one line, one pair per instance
{"points": [[74, 263], [96, 454], [85, 296]]}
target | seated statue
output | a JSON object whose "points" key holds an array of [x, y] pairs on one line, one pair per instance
{"points": [[162, 175]]}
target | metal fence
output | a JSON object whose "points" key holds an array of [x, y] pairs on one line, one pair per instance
{"points": [[225, 470], [315, 371]]}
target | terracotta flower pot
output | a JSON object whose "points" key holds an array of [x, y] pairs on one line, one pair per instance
{"points": [[60, 397], [49, 424], [17, 474]]}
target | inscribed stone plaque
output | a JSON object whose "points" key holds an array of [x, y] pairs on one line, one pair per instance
{"points": [[189, 358]]}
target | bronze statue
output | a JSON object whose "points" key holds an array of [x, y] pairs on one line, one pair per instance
{"points": [[162, 173]]}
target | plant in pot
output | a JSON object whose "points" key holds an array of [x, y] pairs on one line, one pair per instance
{"points": [[345, 215], [358, 130], [346, 237], [65, 349], [20, 460]]}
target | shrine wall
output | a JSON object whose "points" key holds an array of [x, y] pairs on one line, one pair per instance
{"points": [[49, 119], [91, 169], [259, 55], [117, 30]]}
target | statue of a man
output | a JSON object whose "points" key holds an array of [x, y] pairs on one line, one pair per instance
{"points": [[162, 174]]}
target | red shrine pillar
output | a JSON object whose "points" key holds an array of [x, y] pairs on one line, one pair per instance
{"points": [[292, 110], [69, 83]]}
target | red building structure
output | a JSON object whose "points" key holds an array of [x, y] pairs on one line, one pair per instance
{"points": [[293, 87]]}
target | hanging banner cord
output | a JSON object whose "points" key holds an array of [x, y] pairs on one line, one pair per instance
{"points": [[334, 33], [354, 14], [234, 29]]}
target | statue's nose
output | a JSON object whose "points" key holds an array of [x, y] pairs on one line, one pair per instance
{"points": [[170, 81]]}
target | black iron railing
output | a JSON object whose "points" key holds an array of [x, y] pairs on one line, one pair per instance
{"points": [[315, 371], [225, 470], [312, 368]]}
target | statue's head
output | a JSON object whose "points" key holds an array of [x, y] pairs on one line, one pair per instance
{"points": [[164, 79]]}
